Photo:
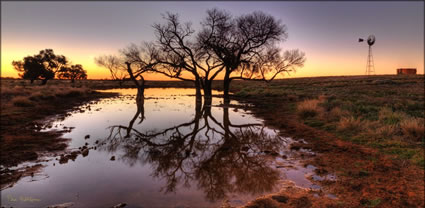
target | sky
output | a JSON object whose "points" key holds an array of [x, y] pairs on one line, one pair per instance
{"points": [[327, 32]]}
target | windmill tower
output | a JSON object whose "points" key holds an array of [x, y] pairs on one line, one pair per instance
{"points": [[370, 68]]}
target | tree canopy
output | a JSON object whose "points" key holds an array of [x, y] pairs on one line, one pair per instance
{"points": [[115, 65], [72, 72], [42, 66], [247, 45]]}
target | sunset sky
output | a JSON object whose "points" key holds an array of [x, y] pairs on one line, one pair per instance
{"points": [[327, 32]]}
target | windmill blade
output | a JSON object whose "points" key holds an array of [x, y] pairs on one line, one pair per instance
{"points": [[361, 39], [371, 40]]}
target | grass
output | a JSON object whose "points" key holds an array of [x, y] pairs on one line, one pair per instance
{"points": [[349, 124], [413, 128], [22, 101], [376, 111], [308, 108]]}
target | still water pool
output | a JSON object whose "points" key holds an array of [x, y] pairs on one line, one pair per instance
{"points": [[163, 151]]}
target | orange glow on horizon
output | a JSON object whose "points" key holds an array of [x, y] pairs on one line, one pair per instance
{"points": [[312, 67], [317, 64]]}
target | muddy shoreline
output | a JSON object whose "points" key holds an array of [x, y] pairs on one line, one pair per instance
{"points": [[23, 141]]}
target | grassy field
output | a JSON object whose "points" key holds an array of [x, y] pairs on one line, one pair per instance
{"points": [[383, 112], [368, 131]]}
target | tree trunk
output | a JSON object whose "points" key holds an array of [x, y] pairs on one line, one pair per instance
{"points": [[72, 80], [207, 90], [226, 84], [198, 91], [226, 120], [140, 93], [32, 81], [141, 112], [207, 108], [44, 81], [140, 87], [141, 90], [198, 109]]}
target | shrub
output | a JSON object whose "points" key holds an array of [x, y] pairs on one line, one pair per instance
{"points": [[336, 113], [308, 108], [387, 116], [41, 96], [413, 128], [386, 131], [349, 124], [22, 101], [74, 92]]}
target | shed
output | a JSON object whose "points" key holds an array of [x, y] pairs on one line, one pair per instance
{"points": [[406, 71]]}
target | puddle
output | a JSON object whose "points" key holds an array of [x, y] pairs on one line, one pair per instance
{"points": [[166, 151]]}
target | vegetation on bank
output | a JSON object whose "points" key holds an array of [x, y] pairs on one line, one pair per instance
{"points": [[382, 112]]}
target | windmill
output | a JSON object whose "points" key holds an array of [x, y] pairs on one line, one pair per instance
{"points": [[370, 68]]}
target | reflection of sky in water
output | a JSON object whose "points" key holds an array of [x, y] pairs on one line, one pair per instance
{"points": [[96, 181]]}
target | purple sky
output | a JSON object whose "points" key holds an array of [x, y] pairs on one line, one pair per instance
{"points": [[326, 31]]}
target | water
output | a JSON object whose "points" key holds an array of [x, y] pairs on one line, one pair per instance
{"points": [[166, 151]]}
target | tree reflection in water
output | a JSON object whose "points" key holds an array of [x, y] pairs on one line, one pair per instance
{"points": [[220, 157]]}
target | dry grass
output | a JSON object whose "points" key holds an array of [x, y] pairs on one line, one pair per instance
{"points": [[263, 203], [389, 117], [384, 132], [25, 96], [413, 128], [336, 114], [22, 101], [350, 124], [308, 108]]}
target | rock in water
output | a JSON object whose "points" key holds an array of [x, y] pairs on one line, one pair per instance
{"points": [[113, 158], [85, 152], [87, 137], [120, 205], [64, 205]]}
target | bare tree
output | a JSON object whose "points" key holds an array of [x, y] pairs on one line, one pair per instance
{"points": [[268, 65], [179, 52], [115, 65], [239, 44], [139, 60], [132, 63]]}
